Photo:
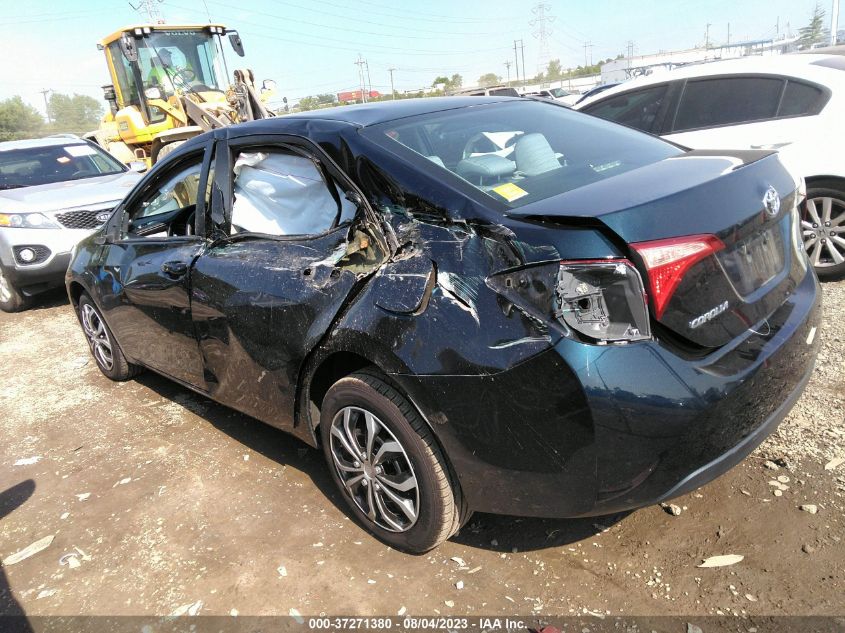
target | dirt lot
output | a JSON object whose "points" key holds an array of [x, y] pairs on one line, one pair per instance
{"points": [[159, 500]]}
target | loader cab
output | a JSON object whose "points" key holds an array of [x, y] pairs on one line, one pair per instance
{"points": [[152, 65]]}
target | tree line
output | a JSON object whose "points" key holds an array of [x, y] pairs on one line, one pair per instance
{"points": [[68, 114]]}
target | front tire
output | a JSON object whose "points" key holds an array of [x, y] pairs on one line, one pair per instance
{"points": [[823, 227], [387, 464], [11, 299], [104, 348]]}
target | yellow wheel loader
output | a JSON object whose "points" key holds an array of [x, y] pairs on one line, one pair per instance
{"points": [[169, 84]]}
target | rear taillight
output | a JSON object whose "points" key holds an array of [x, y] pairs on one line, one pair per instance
{"points": [[603, 300], [600, 301], [667, 261]]}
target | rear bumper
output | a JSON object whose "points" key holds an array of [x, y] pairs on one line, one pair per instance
{"points": [[585, 430]]}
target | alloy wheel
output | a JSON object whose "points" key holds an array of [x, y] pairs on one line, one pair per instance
{"points": [[375, 469], [98, 337], [823, 229], [5, 288]]}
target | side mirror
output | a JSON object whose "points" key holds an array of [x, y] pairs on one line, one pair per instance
{"points": [[128, 48], [152, 93], [138, 166], [237, 43]]}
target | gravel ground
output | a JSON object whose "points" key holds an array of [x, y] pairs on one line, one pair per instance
{"points": [[149, 499]]}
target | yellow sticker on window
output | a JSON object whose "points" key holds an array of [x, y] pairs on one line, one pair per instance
{"points": [[510, 191]]}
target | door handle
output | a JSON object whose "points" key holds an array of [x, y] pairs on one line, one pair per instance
{"points": [[174, 269]]}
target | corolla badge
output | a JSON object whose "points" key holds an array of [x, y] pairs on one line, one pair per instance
{"points": [[707, 316], [771, 201], [103, 217]]}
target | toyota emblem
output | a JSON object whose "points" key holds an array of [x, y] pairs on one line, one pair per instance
{"points": [[771, 201]]}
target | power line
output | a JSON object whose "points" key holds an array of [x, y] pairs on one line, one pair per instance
{"points": [[150, 7]]}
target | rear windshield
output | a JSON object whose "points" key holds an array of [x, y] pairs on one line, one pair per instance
{"points": [[525, 151], [32, 166]]}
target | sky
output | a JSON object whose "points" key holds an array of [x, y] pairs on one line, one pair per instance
{"points": [[310, 46]]}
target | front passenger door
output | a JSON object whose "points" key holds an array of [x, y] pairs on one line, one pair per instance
{"points": [[149, 270]]}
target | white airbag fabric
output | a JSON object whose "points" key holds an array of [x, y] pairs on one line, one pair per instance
{"points": [[280, 194]]}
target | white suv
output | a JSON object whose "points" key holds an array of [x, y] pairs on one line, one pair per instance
{"points": [[791, 103], [53, 192]]}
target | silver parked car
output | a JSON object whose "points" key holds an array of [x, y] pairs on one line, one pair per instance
{"points": [[53, 192]]}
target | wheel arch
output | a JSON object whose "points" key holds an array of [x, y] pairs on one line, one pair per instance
{"points": [[838, 181]]}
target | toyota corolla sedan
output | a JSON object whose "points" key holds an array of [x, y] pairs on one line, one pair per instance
{"points": [[469, 304]]}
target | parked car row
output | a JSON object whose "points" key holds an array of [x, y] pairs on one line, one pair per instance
{"points": [[791, 103]]}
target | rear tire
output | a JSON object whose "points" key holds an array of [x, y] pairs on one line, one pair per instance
{"points": [[11, 299], [388, 465], [168, 148], [823, 213], [104, 348]]}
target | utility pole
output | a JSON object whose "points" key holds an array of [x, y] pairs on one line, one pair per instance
{"points": [[586, 46], [508, 66], [542, 33], [524, 76], [834, 22], [369, 81], [729, 33], [392, 89], [360, 64], [707, 37], [46, 104], [516, 59]]}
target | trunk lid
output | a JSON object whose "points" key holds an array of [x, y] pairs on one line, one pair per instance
{"points": [[745, 198]]}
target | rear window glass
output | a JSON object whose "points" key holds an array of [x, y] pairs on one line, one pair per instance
{"points": [[727, 101], [799, 99], [524, 151]]}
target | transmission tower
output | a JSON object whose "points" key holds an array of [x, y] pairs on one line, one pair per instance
{"points": [[542, 32], [149, 8]]}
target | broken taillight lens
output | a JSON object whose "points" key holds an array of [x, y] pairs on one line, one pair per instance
{"points": [[667, 261], [603, 300]]}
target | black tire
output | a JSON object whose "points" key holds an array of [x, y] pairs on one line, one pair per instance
{"points": [[440, 508], [98, 335], [818, 190], [11, 299], [168, 148]]}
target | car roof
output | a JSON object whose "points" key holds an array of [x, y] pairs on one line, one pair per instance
{"points": [[41, 142], [364, 114], [798, 66]]}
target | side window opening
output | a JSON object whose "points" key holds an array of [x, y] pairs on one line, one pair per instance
{"points": [[278, 192], [799, 99], [638, 110], [169, 208]]}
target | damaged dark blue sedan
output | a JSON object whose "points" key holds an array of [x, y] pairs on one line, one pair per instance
{"points": [[470, 304]]}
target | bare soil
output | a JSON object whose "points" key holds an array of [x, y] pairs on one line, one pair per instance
{"points": [[159, 500]]}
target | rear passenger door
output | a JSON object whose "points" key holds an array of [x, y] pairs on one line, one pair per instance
{"points": [[288, 247]]}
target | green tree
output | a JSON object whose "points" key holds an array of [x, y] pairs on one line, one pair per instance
{"points": [[326, 98], [554, 70], [76, 114], [814, 32], [489, 79], [308, 103], [456, 81], [18, 120], [440, 80]]}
